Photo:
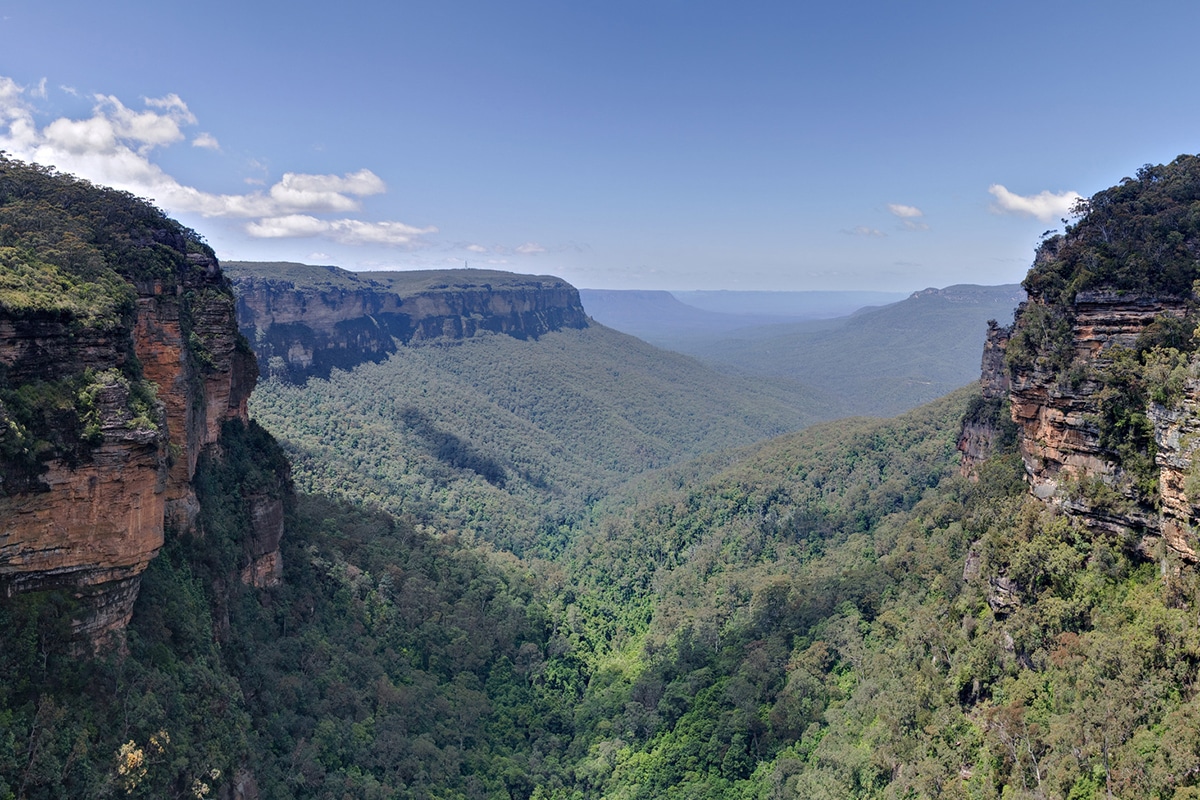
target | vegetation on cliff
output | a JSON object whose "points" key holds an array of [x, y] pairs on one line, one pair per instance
{"points": [[307, 277], [61, 233], [1142, 235], [1122, 277], [71, 255], [831, 613]]}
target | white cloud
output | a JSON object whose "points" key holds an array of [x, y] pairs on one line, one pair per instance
{"points": [[477, 248], [530, 249], [905, 212], [148, 129], [40, 89], [1046, 206], [909, 216], [863, 230], [354, 231], [317, 193], [114, 147], [207, 141], [344, 231], [10, 93], [173, 105], [287, 227]]}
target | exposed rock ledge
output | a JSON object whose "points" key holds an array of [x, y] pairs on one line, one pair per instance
{"points": [[305, 320], [1058, 435]]}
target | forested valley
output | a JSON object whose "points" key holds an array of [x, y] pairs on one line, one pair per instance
{"points": [[605, 578]]}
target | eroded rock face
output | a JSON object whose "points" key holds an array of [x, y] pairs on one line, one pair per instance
{"points": [[91, 518], [266, 567], [1055, 405], [980, 430], [1057, 414], [93, 523], [304, 321], [1177, 434]]}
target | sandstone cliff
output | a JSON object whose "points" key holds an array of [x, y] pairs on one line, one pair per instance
{"points": [[1099, 370], [304, 320], [120, 361]]}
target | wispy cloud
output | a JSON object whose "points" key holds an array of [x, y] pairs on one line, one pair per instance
{"points": [[1046, 206], [529, 249], [343, 231], [116, 144], [909, 216], [863, 230]]}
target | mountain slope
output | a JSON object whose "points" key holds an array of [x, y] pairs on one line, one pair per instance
{"points": [[512, 438], [879, 361], [663, 319]]}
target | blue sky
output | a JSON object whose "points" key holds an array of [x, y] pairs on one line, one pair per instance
{"points": [[653, 144]]}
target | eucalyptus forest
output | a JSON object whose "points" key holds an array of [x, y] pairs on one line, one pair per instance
{"points": [[583, 568]]}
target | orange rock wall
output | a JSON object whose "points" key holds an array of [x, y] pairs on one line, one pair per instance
{"points": [[94, 525], [1059, 439]]}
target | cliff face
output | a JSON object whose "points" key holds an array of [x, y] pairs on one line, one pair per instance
{"points": [[109, 396], [1100, 367], [1061, 416], [306, 320], [981, 429]]}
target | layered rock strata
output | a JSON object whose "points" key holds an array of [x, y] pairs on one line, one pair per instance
{"points": [[1057, 413], [981, 429], [304, 321], [88, 511], [1056, 404]]}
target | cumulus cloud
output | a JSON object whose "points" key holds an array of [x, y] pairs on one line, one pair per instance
{"points": [[530, 249], [905, 212], [115, 145], [1046, 205], [207, 141], [477, 248], [317, 193]]}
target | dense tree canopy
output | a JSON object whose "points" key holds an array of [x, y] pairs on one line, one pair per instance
{"points": [[1142, 235], [827, 614]]}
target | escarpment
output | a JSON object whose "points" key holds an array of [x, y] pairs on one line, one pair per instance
{"points": [[1099, 370], [120, 363], [306, 320]]}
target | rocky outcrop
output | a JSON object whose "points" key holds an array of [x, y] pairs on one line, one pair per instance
{"points": [[112, 384], [1177, 435], [1056, 396], [1057, 410], [304, 320], [982, 426]]}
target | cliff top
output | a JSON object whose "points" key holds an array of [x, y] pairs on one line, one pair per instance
{"points": [[401, 283], [68, 247], [1142, 235]]}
